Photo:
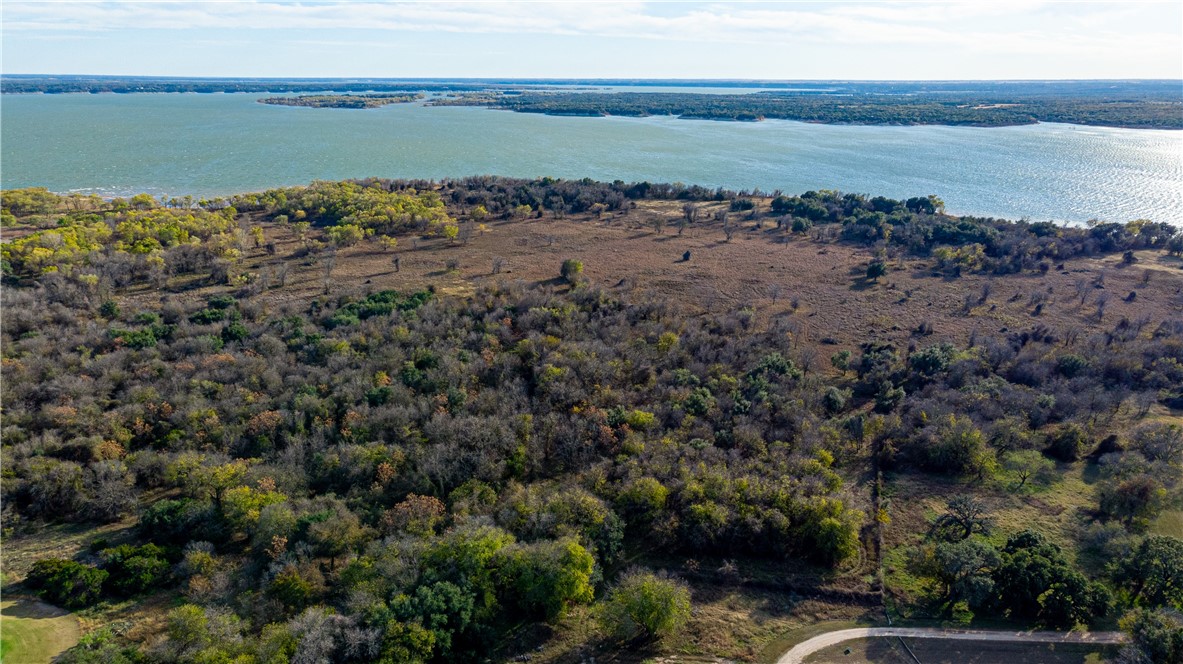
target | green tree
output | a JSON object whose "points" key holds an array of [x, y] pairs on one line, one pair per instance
{"points": [[1157, 635], [964, 569], [1135, 501], [1153, 572], [202, 635], [407, 643], [1036, 581], [468, 558], [1028, 465], [291, 589], [345, 235], [841, 360], [643, 499], [1072, 600], [445, 609], [548, 577], [338, 534], [645, 605], [964, 515]]}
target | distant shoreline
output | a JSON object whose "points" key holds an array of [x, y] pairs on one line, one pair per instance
{"points": [[1144, 104], [864, 110]]}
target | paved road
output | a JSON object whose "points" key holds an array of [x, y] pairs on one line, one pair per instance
{"points": [[799, 652]]}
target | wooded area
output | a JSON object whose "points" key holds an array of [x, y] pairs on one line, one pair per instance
{"points": [[375, 474]]}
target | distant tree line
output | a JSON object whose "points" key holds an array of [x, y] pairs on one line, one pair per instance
{"points": [[983, 110], [344, 101]]}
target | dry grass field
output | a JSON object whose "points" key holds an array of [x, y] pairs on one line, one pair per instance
{"points": [[817, 285]]}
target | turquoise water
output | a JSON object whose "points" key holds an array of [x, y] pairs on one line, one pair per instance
{"points": [[218, 144]]}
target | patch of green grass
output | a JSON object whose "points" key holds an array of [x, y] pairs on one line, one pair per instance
{"points": [[35, 632], [1170, 523]]}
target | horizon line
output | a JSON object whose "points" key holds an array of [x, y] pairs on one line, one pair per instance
{"points": [[578, 78]]}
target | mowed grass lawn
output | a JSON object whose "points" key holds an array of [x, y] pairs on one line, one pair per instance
{"points": [[33, 632], [884, 650]]}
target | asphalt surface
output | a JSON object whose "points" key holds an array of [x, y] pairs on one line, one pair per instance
{"points": [[798, 653]]}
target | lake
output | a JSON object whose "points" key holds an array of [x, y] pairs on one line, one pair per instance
{"points": [[217, 144]]}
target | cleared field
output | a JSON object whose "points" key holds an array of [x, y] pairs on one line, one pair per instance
{"points": [[34, 632], [817, 284], [883, 650], [1170, 523]]}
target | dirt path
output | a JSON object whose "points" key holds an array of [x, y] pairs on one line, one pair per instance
{"points": [[798, 653]]}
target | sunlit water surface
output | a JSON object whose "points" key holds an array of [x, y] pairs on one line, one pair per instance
{"points": [[218, 144]]}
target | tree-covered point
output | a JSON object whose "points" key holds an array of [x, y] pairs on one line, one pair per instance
{"points": [[944, 108], [30, 84], [344, 101]]}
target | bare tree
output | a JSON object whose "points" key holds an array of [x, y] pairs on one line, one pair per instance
{"points": [[330, 261], [1102, 300]]}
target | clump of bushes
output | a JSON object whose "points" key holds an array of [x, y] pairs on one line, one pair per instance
{"points": [[67, 583]]}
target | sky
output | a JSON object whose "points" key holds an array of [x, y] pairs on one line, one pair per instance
{"points": [[917, 40]]}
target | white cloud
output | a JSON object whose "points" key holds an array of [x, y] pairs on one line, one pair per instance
{"points": [[1088, 29]]}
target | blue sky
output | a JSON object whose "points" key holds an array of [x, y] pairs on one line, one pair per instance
{"points": [[1004, 39]]}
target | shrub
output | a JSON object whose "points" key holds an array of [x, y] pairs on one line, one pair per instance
{"points": [[109, 309], [207, 316], [932, 360], [571, 270], [1068, 444], [221, 301], [135, 569], [834, 400], [957, 447], [174, 521], [646, 605], [66, 583], [101, 647], [235, 331]]}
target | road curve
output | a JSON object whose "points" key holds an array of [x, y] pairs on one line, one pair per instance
{"points": [[798, 653]]}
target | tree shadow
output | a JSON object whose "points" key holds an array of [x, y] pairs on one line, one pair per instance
{"points": [[26, 607], [863, 284]]}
